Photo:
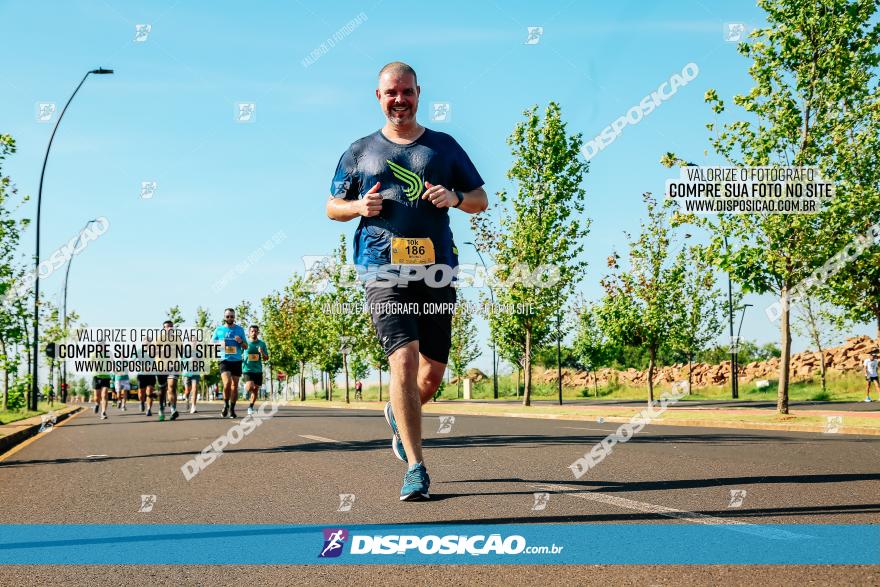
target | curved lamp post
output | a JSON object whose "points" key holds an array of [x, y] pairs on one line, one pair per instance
{"points": [[66, 277], [32, 401]]}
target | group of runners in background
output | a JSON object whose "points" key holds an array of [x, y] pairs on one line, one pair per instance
{"points": [[243, 355]]}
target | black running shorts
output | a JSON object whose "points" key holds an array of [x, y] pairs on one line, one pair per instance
{"points": [[257, 378], [413, 313], [145, 380], [231, 367], [100, 382]]}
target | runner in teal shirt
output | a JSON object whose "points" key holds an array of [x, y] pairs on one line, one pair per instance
{"points": [[232, 337], [252, 367]]}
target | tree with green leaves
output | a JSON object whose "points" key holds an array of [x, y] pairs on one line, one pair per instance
{"points": [[811, 68], [54, 332], [856, 288], [15, 314], [175, 314], [641, 303], [464, 347], [204, 322], [360, 366], [539, 237], [291, 324], [376, 356], [821, 325], [591, 346], [246, 314], [699, 308], [347, 326]]}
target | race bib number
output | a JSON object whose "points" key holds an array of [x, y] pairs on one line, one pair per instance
{"points": [[412, 251], [253, 357], [231, 347]]}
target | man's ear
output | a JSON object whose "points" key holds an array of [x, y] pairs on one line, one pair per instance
{"points": [[378, 95]]}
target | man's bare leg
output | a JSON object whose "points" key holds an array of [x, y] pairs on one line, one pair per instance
{"points": [[430, 375], [171, 398], [193, 395], [149, 392], [103, 394], [233, 395], [226, 377], [405, 401]]}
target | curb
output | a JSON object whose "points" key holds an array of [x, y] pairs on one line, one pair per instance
{"points": [[781, 427], [29, 427], [756, 426]]}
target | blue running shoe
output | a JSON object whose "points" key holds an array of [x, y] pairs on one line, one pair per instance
{"points": [[415, 484], [396, 443]]}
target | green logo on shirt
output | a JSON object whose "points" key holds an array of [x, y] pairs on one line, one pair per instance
{"points": [[411, 181]]}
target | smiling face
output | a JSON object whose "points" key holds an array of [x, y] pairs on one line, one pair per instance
{"points": [[398, 94]]}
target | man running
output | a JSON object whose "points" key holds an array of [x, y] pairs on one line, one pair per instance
{"points": [[252, 367], [191, 388], [101, 383], [400, 182], [146, 379], [232, 336], [123, 385], [168, 380], [871, 364]]}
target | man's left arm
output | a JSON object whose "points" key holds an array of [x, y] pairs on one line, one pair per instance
{"points": [[244, 343], [472, 202]]}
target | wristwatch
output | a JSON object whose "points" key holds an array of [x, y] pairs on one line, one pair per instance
{"points": [[460, 197]]}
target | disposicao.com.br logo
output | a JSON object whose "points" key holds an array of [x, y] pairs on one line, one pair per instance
{"points": [[451, 544]]}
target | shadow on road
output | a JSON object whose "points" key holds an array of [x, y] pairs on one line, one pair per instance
{"points": [[470, 442], [635, 486], [823, 510]]}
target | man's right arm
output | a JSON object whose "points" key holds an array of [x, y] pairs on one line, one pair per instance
{"points": [[344, 210]]}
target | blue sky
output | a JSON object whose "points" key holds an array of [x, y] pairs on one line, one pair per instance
{"points": [[223, 187]]}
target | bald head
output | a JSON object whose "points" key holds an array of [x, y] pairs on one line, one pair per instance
{"points": [[399, 68]]}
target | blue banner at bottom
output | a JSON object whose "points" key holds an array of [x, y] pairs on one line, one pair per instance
{"points": [[531, 544]]}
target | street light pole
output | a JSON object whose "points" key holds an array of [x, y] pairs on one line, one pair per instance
{"points": [[32, 403], [734, 392], [66, 277], [738, 330], [492, 336]]}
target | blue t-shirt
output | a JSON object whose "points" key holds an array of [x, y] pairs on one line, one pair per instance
{"points": [[434, 157], [226, 335]]}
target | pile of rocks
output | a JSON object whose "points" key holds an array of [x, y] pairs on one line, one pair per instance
{"points": [[805, 365]]}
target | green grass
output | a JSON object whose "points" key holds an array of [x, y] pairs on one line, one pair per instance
{"points": [[748, 418], [7, 416], [848, 387]]}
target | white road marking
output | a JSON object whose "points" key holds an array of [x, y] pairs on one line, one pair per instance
{"points": [[96, 456], [631, 504], [320, 438]]}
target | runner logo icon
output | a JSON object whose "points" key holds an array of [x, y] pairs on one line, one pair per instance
{"points": [[334, 540], [412, 182]]}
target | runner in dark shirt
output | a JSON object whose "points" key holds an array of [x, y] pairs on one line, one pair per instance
{"points": [[401, 182]]}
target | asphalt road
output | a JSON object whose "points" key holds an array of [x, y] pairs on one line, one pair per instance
{"points": [[485, 470], [861, 406]]}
